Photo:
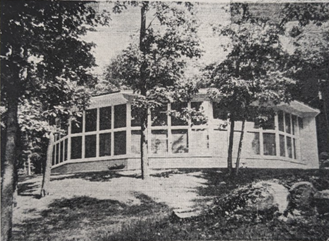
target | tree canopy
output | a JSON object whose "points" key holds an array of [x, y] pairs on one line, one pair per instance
{"points": [[43, 61]]}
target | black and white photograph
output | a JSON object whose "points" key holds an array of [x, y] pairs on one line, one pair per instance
{"points": [[164, 120]]}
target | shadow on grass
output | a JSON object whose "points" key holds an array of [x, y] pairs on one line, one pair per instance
{"points": [[219, 183], [28, 189], [78, 213]]}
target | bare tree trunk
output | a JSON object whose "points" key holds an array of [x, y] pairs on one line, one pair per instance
{"points": [[144, 148], [240, 148], [144, 118], [29, 165], [230, 146], [8, 171], [47, 167]]}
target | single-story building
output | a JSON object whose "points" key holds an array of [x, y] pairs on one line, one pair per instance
{"points": [[108, 136]]}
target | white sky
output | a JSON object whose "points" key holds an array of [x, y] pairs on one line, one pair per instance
{"points": [[124, 29]]}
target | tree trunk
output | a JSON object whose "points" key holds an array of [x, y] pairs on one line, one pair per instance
{"points": [[240, 148], [144, 147], [47, 167], [8, 170], [144, 117], [230, 146], [29, 165]]}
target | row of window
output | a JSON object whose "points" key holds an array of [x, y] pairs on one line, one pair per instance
{"points": [[158, 117], [277, 138]]}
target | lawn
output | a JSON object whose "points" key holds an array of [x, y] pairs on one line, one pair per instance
{"points": [[120, 206]]}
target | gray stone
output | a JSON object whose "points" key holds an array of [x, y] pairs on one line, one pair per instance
{"points": [[267, 195], [301, 198], [321, 200]]}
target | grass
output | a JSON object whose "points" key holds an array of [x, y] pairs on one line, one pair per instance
{"points": [[90, 218]]}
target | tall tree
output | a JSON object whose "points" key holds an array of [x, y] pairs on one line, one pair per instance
{"points": [[307, 25], [42, 59], [154, 67], [252, 72]]}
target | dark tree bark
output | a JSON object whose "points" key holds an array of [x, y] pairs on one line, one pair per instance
{"points": [[230, 146], [47, 167], [240, 148], [8, 169], [144, 116]]}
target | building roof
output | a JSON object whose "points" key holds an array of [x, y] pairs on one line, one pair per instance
{"points": [[116, 98]]}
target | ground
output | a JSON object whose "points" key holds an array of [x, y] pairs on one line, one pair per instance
{"points": [[120, 205]]}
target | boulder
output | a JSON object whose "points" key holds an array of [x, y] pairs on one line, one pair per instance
{"points": [[259, 200], [321, 201], [301, 198]]}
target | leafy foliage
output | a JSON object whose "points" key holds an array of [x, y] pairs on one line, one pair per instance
{"points": [[167, 45], [254, 73]]}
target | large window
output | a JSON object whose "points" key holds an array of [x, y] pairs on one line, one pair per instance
{"points": [[91, 120], [90, 146], [269, 144], [105, 118], [120, 143], [76, 147], [120, 117], [76, 125], [159, 141], [179, 141], [159, 116], [136, 142], [105, 144], [135, 116], [176, 119]]}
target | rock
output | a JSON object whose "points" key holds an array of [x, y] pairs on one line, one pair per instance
{"points": [[321, 201], [278, 192], [301, 198], [258, 201], [180, 214]]}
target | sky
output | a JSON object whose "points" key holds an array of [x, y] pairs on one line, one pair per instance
{"points": [[124, 29]]}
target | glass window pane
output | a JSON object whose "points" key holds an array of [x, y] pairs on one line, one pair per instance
{"points": [[76, 147], [289, 147], [120, 143], [105, 144], [120, 116], [176, 121], [288, 123], [136, 142], [76, 125], [90, 146], [61, 152], [268, 123], [269, 144], [198, 107], [105, 118], [91, 119], [135, 116], [57, 153], [218, 111], [65, 150], [53, 157], [159, 116], [159, 142], [280, 119], [255, 144], [199, 141], [294, 147], [180, 141], [294, 124], [282, 146]]}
